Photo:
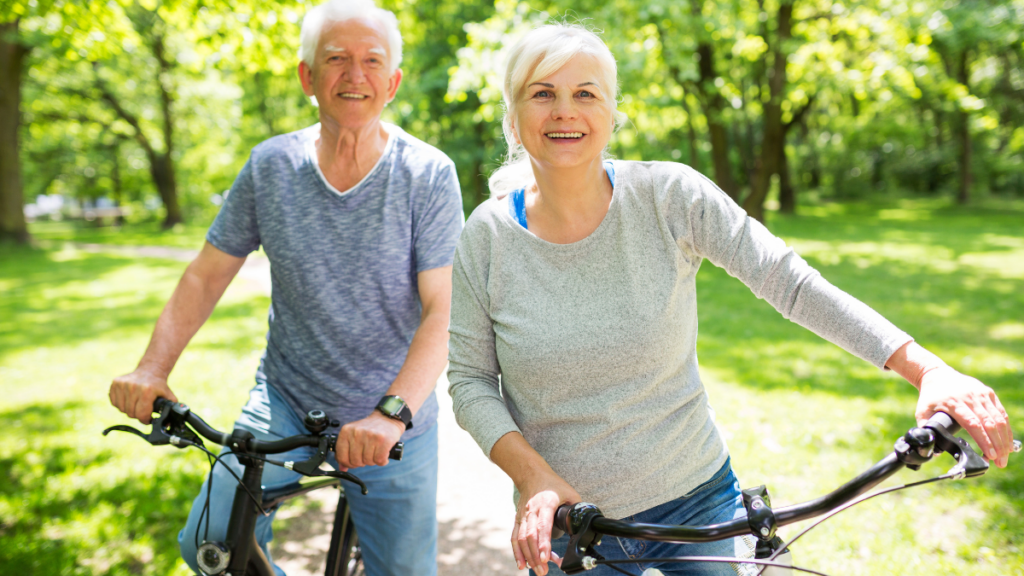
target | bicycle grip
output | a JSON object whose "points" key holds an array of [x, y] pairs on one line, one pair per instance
{"points": [[943, 420], [396, 451], [562, 518]]}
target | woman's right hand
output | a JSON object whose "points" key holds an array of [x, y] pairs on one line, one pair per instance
{"points": [[535, 515]]}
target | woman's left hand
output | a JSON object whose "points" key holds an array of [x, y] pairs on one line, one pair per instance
{"points": [[973, 405]]}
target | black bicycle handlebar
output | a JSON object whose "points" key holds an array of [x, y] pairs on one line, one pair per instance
{"points": [[912, 450], [168, 429]]}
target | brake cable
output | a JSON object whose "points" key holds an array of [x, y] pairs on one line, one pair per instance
{"points": [[849, 505], [712, 559]]}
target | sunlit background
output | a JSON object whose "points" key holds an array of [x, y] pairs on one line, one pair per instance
{"points": [[883, 139]]}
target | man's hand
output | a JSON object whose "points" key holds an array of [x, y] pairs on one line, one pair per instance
{"points": [[973, 405], [535, 515], [367, 442], [135, 393]]}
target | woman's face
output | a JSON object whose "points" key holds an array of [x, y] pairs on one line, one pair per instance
{"points": [[565, 119]]}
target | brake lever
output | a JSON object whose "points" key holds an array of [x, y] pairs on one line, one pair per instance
{"points": [[969, 464], [311, 467], [171, 419]]}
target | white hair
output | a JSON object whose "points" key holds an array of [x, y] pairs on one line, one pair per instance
{"points": [[540, 53], [334, 11]]}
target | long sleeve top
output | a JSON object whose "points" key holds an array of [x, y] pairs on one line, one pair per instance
{"points": [[589, 349]]}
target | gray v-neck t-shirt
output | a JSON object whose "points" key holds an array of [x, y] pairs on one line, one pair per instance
{"points": [[589, 349], [343, 265]]}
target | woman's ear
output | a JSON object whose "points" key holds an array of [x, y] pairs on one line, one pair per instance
{"points": [[515, 133]]}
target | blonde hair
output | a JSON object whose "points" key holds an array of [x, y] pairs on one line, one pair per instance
{"points": [[540, 53], [332, 11]]}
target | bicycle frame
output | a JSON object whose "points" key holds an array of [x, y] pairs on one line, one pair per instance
{"points": [[240, 554]]}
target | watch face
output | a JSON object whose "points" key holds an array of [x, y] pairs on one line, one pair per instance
{"points": [[391, 405]]}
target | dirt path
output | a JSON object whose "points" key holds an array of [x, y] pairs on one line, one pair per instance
{"points": [[474, 497]]}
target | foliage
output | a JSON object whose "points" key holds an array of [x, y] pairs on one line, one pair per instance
{"points": [[800, 415], [878, 97]]}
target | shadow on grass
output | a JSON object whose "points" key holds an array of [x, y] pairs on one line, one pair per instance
{"points": [[56, 524], [952, 310], [50, 302]]}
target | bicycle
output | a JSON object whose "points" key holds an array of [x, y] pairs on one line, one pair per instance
{"points": [[586, 525], [240, 554]]}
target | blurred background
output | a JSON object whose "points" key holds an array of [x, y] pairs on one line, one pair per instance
{"points": [[883, 139]]}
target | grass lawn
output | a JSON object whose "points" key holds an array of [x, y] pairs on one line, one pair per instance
{"points": [[800, 415]]}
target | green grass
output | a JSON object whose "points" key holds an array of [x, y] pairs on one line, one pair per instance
{"points": [[53, 234], [800, 415], [71, 500]]}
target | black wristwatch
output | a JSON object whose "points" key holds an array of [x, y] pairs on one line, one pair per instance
{"points": [[394, 407]]}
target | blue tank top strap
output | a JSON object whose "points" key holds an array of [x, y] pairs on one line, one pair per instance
{"points": [[517, 199], [517, 206]]}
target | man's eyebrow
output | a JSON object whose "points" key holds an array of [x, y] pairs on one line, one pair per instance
{"points": [[329, 48], [379, 51]]}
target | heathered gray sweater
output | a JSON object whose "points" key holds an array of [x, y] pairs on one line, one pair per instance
{"points": [[594, 343]]}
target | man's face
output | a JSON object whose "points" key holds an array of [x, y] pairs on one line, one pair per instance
{"points": [[350, 74]]}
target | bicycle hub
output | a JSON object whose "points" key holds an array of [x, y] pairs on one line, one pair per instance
{"points": [[213, 557]]}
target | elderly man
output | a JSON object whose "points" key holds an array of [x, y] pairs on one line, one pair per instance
{"points": [[359, 221]]}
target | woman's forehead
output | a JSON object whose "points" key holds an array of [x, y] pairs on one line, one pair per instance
{"points": [[581, 69]]}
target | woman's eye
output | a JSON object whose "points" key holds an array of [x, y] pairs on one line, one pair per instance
{"points": [[542, 94], [585, 94]]}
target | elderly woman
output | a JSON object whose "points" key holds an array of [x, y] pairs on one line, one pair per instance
{"points": [[574, 318]]}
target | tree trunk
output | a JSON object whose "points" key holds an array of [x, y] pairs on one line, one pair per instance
{"points": [[787, 195], [161, 168], [714, 105], [12, 193], [773, 143], [963, 121], [692, 136]]}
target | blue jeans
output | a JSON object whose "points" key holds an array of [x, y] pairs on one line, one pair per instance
{"points": [[717, 500], [396, 521]]}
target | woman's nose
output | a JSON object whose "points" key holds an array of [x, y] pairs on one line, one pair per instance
{"points": [[565, 109]]}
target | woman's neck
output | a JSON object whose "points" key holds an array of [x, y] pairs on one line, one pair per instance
{"points": [[568, 204]]}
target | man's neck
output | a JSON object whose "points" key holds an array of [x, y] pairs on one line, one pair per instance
{"points": [[346, 155]]}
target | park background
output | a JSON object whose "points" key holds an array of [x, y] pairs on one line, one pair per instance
{"points": [[884, 140]]}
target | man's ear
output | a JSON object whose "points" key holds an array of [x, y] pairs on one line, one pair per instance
{"points": [[393, 83], [306, 77]]}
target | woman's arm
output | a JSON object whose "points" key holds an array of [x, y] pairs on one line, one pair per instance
{"points": [[541, 492], [723, 233], [942, 389]]}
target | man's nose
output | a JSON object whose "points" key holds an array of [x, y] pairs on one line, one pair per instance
{"points": [[354, 73]]}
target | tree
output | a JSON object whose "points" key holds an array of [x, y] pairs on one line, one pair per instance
{"points": [[12, 197]]}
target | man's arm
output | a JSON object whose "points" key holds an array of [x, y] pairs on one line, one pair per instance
{"points": [[368, 441], [198, 291]]}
